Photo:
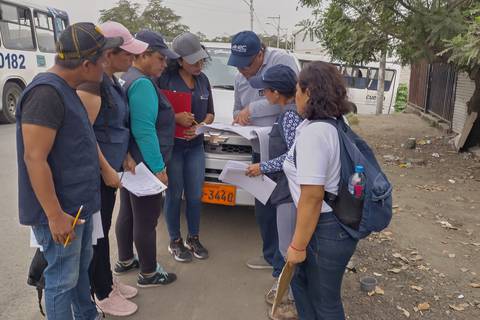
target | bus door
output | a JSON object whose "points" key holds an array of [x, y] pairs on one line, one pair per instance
{"points": [[390, 78], [356, 79]]}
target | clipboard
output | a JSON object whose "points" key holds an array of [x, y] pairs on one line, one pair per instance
{"points": [[283, 284], [181, 102]]}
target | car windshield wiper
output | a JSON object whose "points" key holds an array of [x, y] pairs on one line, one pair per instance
{"points": [[225, 86]]}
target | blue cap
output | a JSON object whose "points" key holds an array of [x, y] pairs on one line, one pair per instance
{"points": [[279, 77], [245, 45], [359, 169], [156, 43]]}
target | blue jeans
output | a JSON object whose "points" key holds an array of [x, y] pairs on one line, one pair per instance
{"points": [[266, 216], [186, 172], [317, 282], [67, 285]]}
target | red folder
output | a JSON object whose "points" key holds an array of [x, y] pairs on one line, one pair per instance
{"points": [[181, 102]]}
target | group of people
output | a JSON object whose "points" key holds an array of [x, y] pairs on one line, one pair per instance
{"points": [[78, 125]]}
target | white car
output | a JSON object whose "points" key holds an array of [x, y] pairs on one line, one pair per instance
{"points": [[223, 146]]}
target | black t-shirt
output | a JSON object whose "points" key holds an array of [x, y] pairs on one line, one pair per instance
{"points": [[43, 106]]}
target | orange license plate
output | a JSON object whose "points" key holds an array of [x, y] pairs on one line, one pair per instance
{"points": [[218, 193]]}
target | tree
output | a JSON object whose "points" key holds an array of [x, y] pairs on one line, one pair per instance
{"points": [[356, 30], [155, 17], [162, 19], [125, 13], [201, 36]]}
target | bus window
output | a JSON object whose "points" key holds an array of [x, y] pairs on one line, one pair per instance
{"points": [[389, 76], [16, 27], [44, 30], [356, 77]]}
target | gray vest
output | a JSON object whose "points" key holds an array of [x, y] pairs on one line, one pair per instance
{"points": [[165, 124]]}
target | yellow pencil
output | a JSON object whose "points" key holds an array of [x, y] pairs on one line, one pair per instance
{"points": [[73, 225], [195, 122]]}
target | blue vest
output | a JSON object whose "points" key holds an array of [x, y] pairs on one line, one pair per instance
{"points": [[165, 124], [73, 159], [171, 80], [111, 125], [277, 145]]}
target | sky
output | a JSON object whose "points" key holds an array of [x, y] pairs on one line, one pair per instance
{"points": [[211, 17]]}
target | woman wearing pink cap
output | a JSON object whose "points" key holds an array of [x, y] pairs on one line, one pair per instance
{"points": [[107, 109]]}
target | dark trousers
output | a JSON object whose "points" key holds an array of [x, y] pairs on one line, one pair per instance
{"points": [[136, 223], [266, 216], [317, 282], [100, 271]]}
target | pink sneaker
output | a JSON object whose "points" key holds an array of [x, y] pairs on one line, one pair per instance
{"points": [[127, 291], [116, 305]]}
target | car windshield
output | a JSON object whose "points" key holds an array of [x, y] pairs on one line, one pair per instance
{"points": [[218, 72]]}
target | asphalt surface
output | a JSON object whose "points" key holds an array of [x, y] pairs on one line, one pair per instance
{"points": [[221, 287]]}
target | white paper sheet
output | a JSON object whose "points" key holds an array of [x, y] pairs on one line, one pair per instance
{"points": [[260, 187], [143, 182]]}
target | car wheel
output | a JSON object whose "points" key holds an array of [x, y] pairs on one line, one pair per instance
{"points": [[11, 95]]}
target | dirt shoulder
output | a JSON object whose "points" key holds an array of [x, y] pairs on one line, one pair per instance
{"points": [[429, 256]]}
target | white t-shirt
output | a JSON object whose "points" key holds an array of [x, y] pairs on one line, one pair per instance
{"points": [[318, 159]]}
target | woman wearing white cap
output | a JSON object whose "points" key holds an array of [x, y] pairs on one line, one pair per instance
{"points": [[187, 169], [107, 109]]}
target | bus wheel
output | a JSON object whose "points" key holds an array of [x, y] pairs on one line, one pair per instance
{"points": [[11, 95]]}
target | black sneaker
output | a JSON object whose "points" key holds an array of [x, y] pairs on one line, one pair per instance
{"points": [[194, 245], [161, 277], [179, 252], [122, 268]]}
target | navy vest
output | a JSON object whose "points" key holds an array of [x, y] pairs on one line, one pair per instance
{"points": [[277, 146], [165, 124], [111, 125], [171, 80], [73, 159]]}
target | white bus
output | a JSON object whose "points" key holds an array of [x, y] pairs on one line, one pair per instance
{"points": [[27, 46], [362, 83]]}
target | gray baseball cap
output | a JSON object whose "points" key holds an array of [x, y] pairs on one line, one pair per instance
{"points": [[189, 48]]}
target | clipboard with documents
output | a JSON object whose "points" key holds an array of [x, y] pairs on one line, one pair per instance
{"points": [[181, 102]]}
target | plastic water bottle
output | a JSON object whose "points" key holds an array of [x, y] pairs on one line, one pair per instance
{"points": [[356, 185]]}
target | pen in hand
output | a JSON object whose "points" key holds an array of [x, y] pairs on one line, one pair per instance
{"points": [[73, 225]]}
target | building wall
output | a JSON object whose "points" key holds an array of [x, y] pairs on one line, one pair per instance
{"points": [[464, 91]]}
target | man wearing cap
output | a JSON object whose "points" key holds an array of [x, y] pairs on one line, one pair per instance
{"points": [[58, 169], [252, 58]]}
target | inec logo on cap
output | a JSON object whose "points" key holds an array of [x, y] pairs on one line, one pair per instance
{"points": [[242, 48]]}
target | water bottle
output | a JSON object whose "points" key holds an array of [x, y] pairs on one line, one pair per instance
{"points": [[356, 185]]}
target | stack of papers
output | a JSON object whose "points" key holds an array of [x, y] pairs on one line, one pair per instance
{"points": [[143, 182], [260, 187]]}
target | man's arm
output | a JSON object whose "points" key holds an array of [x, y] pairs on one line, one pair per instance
{"points": [[38, 142]]}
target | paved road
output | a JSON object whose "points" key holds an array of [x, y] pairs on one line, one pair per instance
{"points": [[221, 287]]}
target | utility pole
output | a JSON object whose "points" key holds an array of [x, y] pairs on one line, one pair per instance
{"points": [[278, 28], [250, 4]]}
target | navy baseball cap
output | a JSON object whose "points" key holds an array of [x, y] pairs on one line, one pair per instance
{"points": [[279, 77], [156, 43], [245, 46]]}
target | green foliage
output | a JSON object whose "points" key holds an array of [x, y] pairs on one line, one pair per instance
{"points": [[439, 30], [402, 98], [155, 16]]}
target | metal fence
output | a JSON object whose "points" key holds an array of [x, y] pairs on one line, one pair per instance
{"points": [[419, 85], [432, 89]]}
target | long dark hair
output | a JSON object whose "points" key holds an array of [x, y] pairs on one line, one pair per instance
{"points": [[327, 91]]}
